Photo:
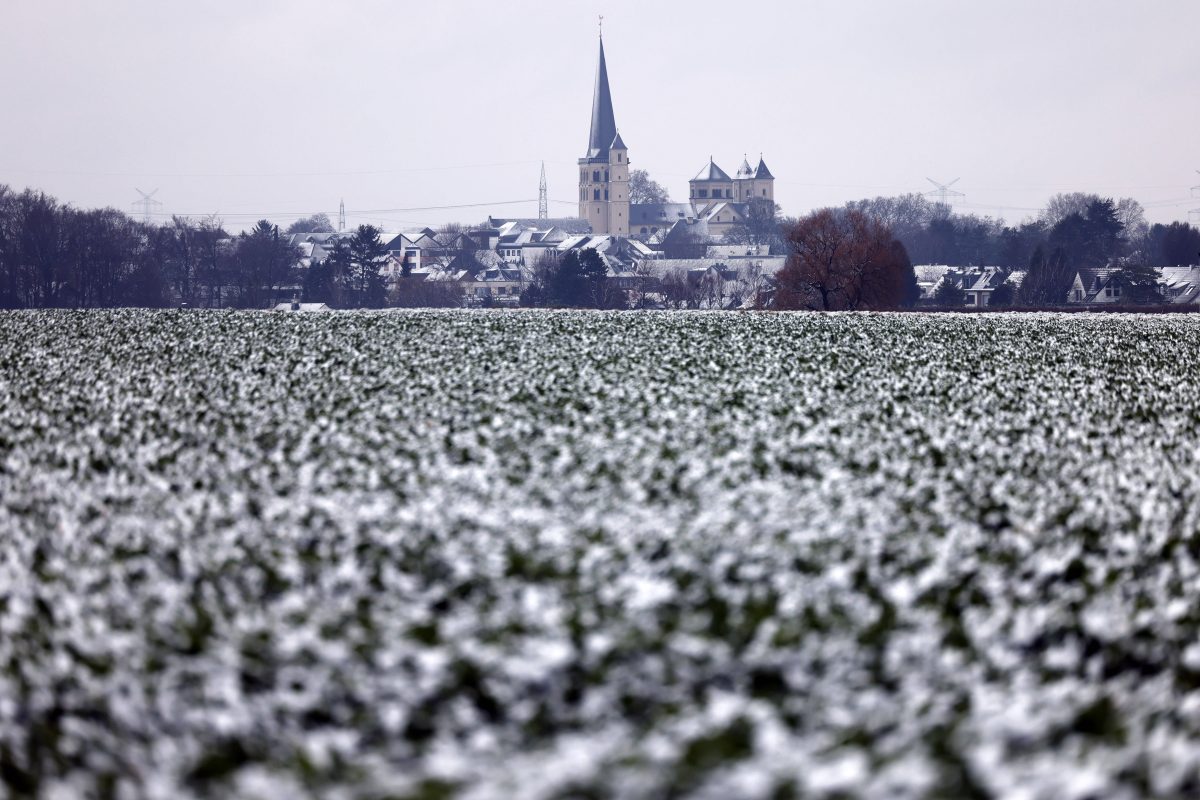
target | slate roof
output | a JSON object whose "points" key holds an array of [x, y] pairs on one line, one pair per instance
{"points": [[762, 172], [659, 214], [504, 274], [1094, 280], [712, 172], [618, 143], [1181, 284], [738, 250], [969, 279], [395, 242], [604, 124], [735, 209], [570, 225], [744, 171], [601, 243]]}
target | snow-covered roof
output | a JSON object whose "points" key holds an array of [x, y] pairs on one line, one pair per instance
{"points": [[712, 172], [659, 213], [738, 250]]}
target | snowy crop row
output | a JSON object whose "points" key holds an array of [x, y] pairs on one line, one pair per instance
{"points": [[551, 555]]}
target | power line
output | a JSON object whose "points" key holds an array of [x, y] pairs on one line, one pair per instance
{"points": [[1194, 214], [351, 212], [322, 173]]}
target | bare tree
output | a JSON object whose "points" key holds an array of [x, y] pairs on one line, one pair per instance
{"points": [[644, 190], [843, 259], [644, 283], [759, 226], [710, 288], [675, 289], [1063, 205], [317, 223], [749, 288], [1133, 222]]}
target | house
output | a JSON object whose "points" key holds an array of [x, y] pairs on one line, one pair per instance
{"points": [[977, 283], [1095, 286], [499, 285], [411, 247], [524, 244]]}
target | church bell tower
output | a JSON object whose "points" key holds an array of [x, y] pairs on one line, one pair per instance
{"points": [[604, 170]]}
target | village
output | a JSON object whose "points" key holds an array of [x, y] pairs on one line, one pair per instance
{"points": [[726, 246], [722, 248]]}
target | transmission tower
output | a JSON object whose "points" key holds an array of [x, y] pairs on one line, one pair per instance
{"points": [[944, 194], [147, 204], [543, 196], [1194, 214], [342, 215]]}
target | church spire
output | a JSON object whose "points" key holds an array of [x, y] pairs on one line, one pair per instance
{"points": [[604, 124]]}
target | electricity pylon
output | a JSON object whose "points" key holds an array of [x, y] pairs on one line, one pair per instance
{"points": [[147, 204], [543, 196], [943, 192]]}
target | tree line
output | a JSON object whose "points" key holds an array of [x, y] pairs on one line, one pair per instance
{"points": [[1086, 230], [53, 255], [860, 256]]}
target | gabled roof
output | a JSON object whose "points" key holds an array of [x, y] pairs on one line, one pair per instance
{"points": [[571, 225], [395, 241], [761, 172], [601, 242], [738, 250], [737, 209], [712, 172], [659, 214], [618, 143], [696, 227], [1180, 284]]}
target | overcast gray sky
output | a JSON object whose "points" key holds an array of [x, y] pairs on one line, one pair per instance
{"points": [[279, 108]]}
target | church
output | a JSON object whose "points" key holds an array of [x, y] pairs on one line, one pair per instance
{"points": [[715, 199]]}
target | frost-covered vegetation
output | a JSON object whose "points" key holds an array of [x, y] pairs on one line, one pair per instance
{"points": [[552, 555]]}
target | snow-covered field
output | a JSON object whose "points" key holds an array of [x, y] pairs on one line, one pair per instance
{"points": [[586, 555]]}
